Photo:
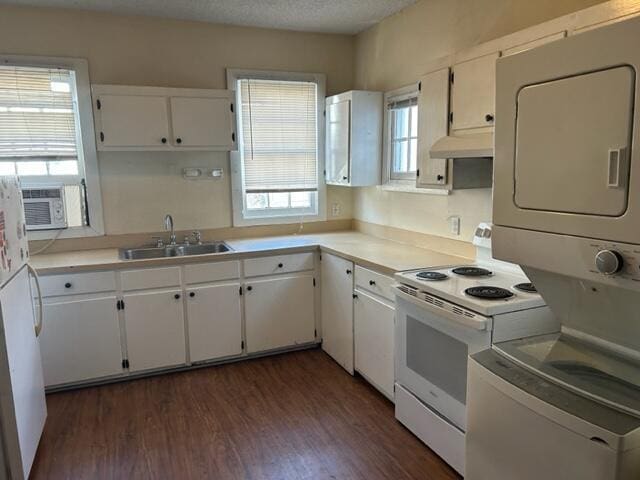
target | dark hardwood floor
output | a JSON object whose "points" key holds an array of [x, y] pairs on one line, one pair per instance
{"points": [[291, 416]]}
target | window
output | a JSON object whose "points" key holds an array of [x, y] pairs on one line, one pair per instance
{"points": [[46, 134], [403, 138], [280, 148]]}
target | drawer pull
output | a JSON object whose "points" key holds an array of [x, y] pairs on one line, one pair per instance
{"points": [[249, 288], [280, 265], [372, 282], [192, 294], [67, 285], [177, 296]]}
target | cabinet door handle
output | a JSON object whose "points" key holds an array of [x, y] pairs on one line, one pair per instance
{"points": [[177, 296], [345, 178], [372, 283], [178, 140], [163, 140], [192, 294], [355, 296], [348, 272], [488, 117], [280, 265], [67, 285]]}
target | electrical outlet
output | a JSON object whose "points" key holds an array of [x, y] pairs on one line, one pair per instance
{"points": [[454, 225], [335, 209]]}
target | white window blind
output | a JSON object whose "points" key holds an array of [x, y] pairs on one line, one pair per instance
{"points": [[279, 136], [37, 120]]}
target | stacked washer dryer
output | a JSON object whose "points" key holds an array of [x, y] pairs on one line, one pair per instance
{"points": [[567, 209]]}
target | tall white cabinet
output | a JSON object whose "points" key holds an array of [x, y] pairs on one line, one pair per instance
{"points": [[337, 309], [354, 138]]}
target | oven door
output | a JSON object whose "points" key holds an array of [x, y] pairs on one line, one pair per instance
{"points": [[432, 345]]}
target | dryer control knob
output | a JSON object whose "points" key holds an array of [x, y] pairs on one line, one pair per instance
{"points": [[609, 262]]}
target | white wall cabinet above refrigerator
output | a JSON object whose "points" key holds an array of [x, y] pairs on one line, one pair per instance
{"points": [[170, 119], [354, 138]]}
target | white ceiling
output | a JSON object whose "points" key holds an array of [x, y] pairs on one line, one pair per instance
{"points": [[330, 16]]}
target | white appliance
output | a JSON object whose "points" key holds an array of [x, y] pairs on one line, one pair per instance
{"points": [[22, 401], [44, 207], [567, 209], [444, 315]]}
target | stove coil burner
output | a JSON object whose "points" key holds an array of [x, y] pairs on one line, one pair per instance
{"points": [[489, 293], [432, 276], [472, 271], [526, 287]]}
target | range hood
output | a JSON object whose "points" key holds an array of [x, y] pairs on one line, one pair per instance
{"points": [[476, 145]]}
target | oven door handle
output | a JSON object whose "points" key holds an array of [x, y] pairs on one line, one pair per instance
{"points": [[480, 323]]}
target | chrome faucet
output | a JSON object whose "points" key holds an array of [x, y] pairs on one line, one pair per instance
{"points": [[168, 225]]}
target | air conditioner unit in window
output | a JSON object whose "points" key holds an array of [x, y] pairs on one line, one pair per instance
{"points": [[44, 207]]}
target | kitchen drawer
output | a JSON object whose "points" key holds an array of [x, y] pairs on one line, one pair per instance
{"points": [[77, 283], [297, 262], [150, 278], [375, 283], [211, 272]]}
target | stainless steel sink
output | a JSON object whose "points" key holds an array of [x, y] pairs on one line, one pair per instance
{"points": [[182, 250]]}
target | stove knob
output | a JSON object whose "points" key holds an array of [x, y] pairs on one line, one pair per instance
{"points": [[609, 262]]}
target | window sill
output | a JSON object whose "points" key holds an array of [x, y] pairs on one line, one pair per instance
{"points": [[73, 232], [279, 220], [411, 188]]}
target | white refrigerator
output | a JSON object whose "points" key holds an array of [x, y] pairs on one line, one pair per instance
{"points": [[23, 409]]}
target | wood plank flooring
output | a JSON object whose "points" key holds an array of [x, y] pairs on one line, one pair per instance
{"points": [[292, 416]]}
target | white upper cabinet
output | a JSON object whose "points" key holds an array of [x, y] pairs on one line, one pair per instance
{"points": [[473, 92], [354, 138], [150, 118], [133, 121], [338, 141], [202, 122], [433, 123]]}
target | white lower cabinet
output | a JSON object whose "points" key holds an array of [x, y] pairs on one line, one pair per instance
{"points": [[80, 340], [337, 309], [374, 341], [279, 312], [154, 326], [214, 319]]}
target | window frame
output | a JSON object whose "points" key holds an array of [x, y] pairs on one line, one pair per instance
{"points": [[276, 216], [89, 164], [401, 179]]}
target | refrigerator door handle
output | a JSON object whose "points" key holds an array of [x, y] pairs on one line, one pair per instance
{"points": [[38, 326]]}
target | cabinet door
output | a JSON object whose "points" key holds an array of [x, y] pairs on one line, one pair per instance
{"points": [[337, 309], [214, 319], [80, 341], [473, 92], [133, 121], [374, 341], [279, 312], [338, 142], [202, 122], [154, 325], [433, 123]]}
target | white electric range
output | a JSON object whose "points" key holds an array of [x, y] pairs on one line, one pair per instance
{"points": [[443, 315]]}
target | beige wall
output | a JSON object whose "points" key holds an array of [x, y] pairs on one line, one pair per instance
{"points": [[396, 52], [139, 188]]}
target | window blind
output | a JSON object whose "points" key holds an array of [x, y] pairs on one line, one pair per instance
{"points": [[36, 113], [279, 135], [402, 103]]}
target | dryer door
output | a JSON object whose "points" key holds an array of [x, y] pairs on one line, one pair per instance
{"points": [[573, 137]]}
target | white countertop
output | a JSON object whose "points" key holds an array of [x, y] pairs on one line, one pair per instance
{"points": [[382, 255]]}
